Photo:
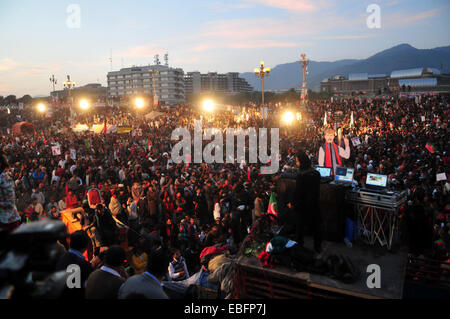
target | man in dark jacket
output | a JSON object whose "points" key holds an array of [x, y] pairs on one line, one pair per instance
{"points": [[79, 242], [104, 283], [307, 193]]}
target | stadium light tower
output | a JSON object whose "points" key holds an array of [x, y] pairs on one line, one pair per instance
{"points": [[153, 73], [54, 81], [304, 63], [262, 72]]}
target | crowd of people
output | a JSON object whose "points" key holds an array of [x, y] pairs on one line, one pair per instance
{"points": [[126, 187]]}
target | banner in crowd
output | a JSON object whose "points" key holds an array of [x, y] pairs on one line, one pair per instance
{"points": [[56, 150], [73, 154], [356, 141], [441, 177], [80, 127], [99, 128]]}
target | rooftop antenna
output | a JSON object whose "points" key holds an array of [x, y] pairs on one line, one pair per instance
{"points": [[166, 59], [157, 62]]}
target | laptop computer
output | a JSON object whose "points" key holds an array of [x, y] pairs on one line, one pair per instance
{"points": [[376, 182], [325, 173], [344, 176]]}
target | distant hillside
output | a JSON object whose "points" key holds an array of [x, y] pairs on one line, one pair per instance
{"points": [[403, 56]]}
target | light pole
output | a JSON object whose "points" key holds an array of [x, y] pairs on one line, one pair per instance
{"points": [[262, 72], [68, 84], [153, 73], [53, 80], [304, 63]]}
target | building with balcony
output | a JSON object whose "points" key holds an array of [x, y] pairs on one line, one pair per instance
{"points": [[229, 83], [162, 81]]}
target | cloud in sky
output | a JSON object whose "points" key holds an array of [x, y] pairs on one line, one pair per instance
{"points": [[141, 51], [290, 5], [202, 34], [347, 37], [7, 64], [402, 19]]}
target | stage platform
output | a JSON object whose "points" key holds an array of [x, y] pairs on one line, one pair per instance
{"points": [[253, 281]]}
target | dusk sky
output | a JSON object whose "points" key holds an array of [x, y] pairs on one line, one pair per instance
{"points": [[199, 35]]}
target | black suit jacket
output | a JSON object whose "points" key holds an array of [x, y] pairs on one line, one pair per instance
{"points": [[307, 192], [103, 285]]}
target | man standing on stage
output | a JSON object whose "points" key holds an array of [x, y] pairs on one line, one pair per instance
{"points": [[330, 154], [307, 193]]}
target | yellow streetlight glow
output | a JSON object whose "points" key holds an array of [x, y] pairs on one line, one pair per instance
{"points": [[41, 107], [262, 62], [256, 70], [208, 106], [288, 117], [84, 104], [139, 102]]}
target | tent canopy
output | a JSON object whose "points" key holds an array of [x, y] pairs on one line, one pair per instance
{"points": [[22, 128]]}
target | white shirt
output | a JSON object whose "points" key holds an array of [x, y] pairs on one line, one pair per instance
{"points": [[111, 271]]}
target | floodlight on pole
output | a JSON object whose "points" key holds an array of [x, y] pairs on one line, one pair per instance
{"points": [[208, 106], [139, 102], [262, 72], [84, 104], [288, 117], [41, 107]]}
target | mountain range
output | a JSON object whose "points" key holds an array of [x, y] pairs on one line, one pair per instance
{"points": [[403, 56]]}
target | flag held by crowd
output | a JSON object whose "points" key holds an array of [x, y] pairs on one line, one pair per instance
{"points": [[273, 205]]}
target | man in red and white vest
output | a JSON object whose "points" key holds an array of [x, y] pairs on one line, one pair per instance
{"points": [[330, 154]]}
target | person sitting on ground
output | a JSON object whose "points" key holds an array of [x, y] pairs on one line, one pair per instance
{"points": [[177, 268], [139, 258]]}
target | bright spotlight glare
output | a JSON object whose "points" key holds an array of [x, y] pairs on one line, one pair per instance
{"points": [[41, 107], [139, 103], [208, 106], [288, 117], [84, 104]]}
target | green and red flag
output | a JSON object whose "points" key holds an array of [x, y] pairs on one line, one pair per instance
{"points": [[430, 147], [273, 205], [43, 137]]}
